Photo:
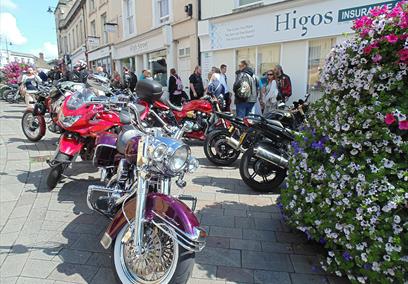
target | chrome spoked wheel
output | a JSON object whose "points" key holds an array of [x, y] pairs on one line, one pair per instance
{"points": [[33, 128], [157, 262]]}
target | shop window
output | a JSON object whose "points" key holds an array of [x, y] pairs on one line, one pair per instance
{"points": [[247, 54], [129, 17], [318, 50], [158, 66], [241, 3], [268, 58]]}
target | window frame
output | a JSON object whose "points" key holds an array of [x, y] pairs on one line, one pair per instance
{"points": [[129, 17], [104, 33], [158, 19], [255, 2]]}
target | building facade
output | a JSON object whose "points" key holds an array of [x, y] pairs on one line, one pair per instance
{"points": [[158, 35], [104, 24], [8, 56], [70, 18], [296, 34]]}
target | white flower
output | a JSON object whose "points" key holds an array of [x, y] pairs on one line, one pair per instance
{"points": [[364, 257], [361, 279], [397, 219], [387, 257], [388, 163], [354, 152], [338, 273]]}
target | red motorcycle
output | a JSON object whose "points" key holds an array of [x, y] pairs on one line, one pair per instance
{"points": [[47, 104], [202, 113], [84, 116]]}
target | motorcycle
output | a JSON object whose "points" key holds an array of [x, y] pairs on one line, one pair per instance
{"points": [[13, 95], [83, 117], [265, 160], [5, 90], [154, 235], [200, 112], [46, 105]]}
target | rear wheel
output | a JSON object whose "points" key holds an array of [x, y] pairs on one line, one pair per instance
{"points": [[217, 150], [162, 259], [259, 174], [33, 126], [9, 96]]}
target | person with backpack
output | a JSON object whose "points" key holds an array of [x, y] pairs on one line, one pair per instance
{"points": [[284, 84], [176, 93], [245, 89]]}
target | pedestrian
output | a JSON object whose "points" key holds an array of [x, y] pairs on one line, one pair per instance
{"points": [[116, 80], [29, 86], [176, 92], [245, 89], [79, 74], [224, 82], [284, 84], [99, 71], [270, 92], [147, 74], [215, 87], [196, 84], [130, 79]]}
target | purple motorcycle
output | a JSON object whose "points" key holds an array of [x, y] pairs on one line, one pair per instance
{"points": [[154, 235]]}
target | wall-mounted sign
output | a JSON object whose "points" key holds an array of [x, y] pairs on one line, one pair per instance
{"points": [[93, 42], [111, 27], [326, 18]]}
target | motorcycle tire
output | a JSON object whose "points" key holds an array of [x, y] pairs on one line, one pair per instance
{"points": [[271, 185], [217, 138], [33, 134], [2, 93], [9, 96], [55, 174], [182, 270]]}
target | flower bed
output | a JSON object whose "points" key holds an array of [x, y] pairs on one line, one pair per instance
{"points": [[348, 176], [13, 71]]}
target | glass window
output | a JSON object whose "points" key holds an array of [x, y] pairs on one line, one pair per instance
{"points": [[268, 57], [318, 50], [247, 54], [164, 10], [81, 34], [129, 22], [91, 5], [103, 27], [93, 28], [158, 66], [247, 2]]}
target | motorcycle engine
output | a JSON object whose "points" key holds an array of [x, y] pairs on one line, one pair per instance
{"points": [[200, 122]]}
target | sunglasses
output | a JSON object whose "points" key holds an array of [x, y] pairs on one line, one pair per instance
{"points": [[270, 74]]}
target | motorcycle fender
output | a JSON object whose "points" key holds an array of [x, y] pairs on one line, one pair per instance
{"points": [[69, 145], [157, 205]]}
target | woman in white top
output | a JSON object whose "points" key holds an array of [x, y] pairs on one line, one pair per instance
{"points": [[29, 84], [270, 93]]}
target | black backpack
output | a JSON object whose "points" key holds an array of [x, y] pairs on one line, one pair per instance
{"points": [[243, 86]]}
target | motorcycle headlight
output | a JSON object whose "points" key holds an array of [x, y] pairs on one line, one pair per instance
{"points": [[193, 165], [68, 121], [178, 160], [158, 153]]}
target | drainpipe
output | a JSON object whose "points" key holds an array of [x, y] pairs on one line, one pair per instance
{"points": [[198, 38], [84, 23]]}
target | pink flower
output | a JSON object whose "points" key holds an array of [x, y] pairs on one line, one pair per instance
{"points": [[403, 125], [377, 11], [392, 38], [389, 119], [403, 54], [377, 58]]}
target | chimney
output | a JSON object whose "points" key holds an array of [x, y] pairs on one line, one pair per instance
{"points": [[41, 56]]}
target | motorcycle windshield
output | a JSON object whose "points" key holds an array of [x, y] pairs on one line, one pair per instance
{"points": [[79, 98]]}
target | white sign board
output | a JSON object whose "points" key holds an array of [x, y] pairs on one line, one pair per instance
{"points": [[111, 28], [100, 53], [93, 42], [321, 19], [135, 47]]}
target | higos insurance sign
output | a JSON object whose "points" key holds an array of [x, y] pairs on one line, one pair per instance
{"points": [[326, 18]]}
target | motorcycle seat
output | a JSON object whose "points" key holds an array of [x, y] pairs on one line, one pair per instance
{"points": [[166, 99], [275, 123]]}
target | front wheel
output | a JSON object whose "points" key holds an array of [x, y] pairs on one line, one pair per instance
{"points": [[162, 260], [33, 126], [217, 150], [60, 162], [259, 174]]}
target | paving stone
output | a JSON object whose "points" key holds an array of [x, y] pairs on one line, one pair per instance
{"points": [[221, 221], [8, 280], [104, 276], [204, 271], [13, 265], [217, 242], [73, 273], [100, 259], [249, 234], [225, 232], [219, 256], [299, 278], [271, 277], [30, 280], [45, 253], [36, 268], [245, 244], [5, 210], [88, 243], [245, 222], [267, 261], [235, 212], [240, 275], [268, 224], [291, 237], [306, 264], [277, 247], [307, 249], [73, 256]]}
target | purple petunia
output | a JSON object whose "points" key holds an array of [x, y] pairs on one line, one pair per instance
{"points": [[347, 256], [322, 240], [318, 145]]}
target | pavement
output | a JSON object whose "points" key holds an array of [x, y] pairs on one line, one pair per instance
{"points": [[52, 236]]}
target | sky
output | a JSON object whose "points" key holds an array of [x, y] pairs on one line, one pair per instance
{"points": [[28, 26]]}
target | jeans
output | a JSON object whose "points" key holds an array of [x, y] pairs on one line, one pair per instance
{"points": [[243, 109]]}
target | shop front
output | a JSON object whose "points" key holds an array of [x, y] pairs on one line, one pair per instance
{"points": [[101, 57], [79, 54], [298, 37], [151, 51]]}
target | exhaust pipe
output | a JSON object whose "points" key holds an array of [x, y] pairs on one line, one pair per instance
{"points": [[271, 157], [234, 143]]}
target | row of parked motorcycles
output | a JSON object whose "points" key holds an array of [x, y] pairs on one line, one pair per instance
{"points": [[136, 139]]}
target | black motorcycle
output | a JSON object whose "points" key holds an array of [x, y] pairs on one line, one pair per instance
{"points": [[265, 161]]}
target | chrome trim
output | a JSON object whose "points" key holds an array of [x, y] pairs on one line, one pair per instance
{"points": [[96, 148], [193, 243], [271, 157]]}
